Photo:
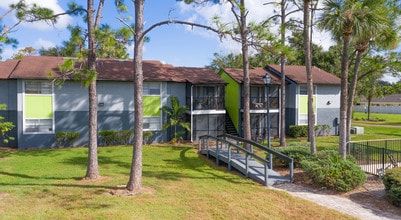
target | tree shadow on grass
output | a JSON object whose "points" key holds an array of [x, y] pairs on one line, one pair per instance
{"points": [[198, 167], [102, 160]]}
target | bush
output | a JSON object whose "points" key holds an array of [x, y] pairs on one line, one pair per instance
{"points": [[302, 130], [328, 169], [392, 184], [298, 130], [146, 136], [297, 153], [323, 129], [66, 138], [113, 137]]}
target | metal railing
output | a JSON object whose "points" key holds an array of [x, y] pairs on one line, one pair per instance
{"points": [[207, 103], [376, 156], [246, 147]]}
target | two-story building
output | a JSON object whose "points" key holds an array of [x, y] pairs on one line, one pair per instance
{"points": [[38, 108], [326, 98]]}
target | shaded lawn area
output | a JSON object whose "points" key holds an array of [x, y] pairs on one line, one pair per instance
{"points": [[46, 184]]}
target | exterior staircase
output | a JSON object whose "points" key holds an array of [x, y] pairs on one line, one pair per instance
{"points": [[230, 128]]}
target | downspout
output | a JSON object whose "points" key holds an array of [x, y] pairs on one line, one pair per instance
{"points": [[191, 113]]}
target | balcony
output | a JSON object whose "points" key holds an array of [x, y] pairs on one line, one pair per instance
{"points": [[256, 104], [208, 103]]}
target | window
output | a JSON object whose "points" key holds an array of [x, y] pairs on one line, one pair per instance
{"points": [[303, 105], [38, 87], [38, 107], [151, 106], [303, 90], [151, 89], [151, 123]]}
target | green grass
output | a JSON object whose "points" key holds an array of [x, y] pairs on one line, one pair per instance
{"points": [[46, 184], [377, 118], [388, 127]]}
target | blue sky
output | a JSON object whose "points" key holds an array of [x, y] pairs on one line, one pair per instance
{"points": [[175, 44]]}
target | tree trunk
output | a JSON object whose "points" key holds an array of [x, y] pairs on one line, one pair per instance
{"points": [[352, 91], [283, 60], [93, 167], [246, 85], [342, 145], [135, 179], [308, 65]]}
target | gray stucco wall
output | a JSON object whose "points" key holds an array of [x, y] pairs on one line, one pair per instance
{"points": [[8, 96], [115, 111], [327, 106]]}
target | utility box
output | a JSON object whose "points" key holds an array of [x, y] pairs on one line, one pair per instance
{"points": [[357, 130]]}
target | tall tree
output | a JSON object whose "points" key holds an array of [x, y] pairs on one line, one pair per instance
{"points": [[285, 52], [87, 74], [135, 178], [345, 20], [308, 66], [341, 18], [380, 32]]}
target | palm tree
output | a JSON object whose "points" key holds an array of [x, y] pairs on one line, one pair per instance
{"points": [[381, 32], [344, 20], [176, 115]]}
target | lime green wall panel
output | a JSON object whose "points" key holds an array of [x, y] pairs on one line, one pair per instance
{"points": [[303, 104], [151, 106], [232, 93], [38, 107]]}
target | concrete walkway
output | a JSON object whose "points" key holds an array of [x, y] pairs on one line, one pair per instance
{"points": [[339, 203]]}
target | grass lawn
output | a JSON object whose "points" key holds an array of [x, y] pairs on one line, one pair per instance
{"points": [[377, 118], [46, 184], [388, 127]]}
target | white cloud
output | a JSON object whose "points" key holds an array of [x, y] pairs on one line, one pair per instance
{"points": [[9, 52], [40, 43], [62, 21]]}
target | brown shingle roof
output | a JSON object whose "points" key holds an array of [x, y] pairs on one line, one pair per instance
{"points": [[6, 68], [34, 67], [38, 67], [255, 76], [298, 74]]}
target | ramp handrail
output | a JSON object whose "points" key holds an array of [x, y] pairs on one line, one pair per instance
{"points": [[262, 147], [203, 144]]}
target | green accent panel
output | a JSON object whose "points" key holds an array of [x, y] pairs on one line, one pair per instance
{"points": [[38, 107], [303, 104], [151, 106], [232, 98]]}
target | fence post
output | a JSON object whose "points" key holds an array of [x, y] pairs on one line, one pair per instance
{"points": [[382, 157]]}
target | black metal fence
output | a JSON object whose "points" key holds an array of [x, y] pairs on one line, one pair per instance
{"points": [[376, 156]]}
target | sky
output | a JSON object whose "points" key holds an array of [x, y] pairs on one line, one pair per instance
{"points": [[174, 44]]}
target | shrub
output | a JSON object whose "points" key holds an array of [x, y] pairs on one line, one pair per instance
{"points": [[392, 184], [146, 136], [66, 138], [112, 137], [298, 153], [324, 129], [298, 130], [302, 130], [328, 169]]}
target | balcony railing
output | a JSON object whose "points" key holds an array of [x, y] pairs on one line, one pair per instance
{"points": [[208, 103], [274, 103]]}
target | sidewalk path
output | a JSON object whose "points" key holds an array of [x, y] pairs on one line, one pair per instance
{"points": [[336, 202]]}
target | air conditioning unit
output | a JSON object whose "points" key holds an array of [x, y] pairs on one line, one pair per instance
{"points": [[357, 130]]}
